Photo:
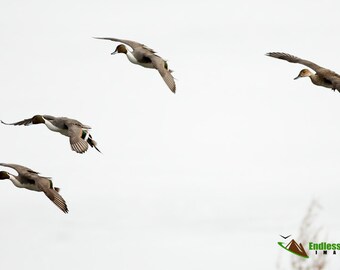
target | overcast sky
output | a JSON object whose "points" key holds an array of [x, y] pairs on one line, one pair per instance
{"points": [[204, 179]]}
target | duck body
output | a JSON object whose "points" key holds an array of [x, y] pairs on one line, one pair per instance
{"points": [[141, 60], [56, 125], [145, 57], [20, 182], [77, 132], [31, 180], [62, 124], [321, 81]]}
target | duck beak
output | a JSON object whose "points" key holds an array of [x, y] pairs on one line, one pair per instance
{"points": [[297, 77], [113, 53]]}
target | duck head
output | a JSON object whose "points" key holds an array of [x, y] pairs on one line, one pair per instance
{"points": [[4, 175], [120, 49], [38, 119], [304, 73]]}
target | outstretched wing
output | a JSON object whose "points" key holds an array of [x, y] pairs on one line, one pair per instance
{"points": [[159, 64], [131, 43], [36, 119], [24, 122], [22, 170], [54, 196], [294, 59]]}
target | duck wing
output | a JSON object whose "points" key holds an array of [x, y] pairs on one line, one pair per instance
{"points": [[293, 59], [161, 66], [25, 122], [52, 194], [131, 43], [22, 170], [78, 144], [29, 121]]}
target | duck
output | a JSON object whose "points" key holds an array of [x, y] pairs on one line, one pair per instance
{"points": [[322, 76], [79, 135], [31, 180], [145, 57]]}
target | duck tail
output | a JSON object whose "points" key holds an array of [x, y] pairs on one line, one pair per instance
{"points": [[57, 189], [92, 143]]}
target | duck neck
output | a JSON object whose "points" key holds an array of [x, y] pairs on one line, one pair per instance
{"points": [[15, 181], [131, 57]]}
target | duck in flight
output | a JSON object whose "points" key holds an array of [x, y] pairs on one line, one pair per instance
{"points": [[78, 133], [322, 76], [145, 57], [29, 179]]}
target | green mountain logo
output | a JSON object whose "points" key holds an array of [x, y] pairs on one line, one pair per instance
{"points": [[294, 248]]}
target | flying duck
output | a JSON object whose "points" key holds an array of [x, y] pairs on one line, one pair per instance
{"points": [[145, 57], [29, 179], [78, 133], [323, 77]]}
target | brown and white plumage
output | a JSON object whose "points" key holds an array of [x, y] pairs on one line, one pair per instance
{"points": [[323, 76], [146, 57], [30, 179], [78, 133]]}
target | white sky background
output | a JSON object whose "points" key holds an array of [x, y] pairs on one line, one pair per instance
{"points": [[203, 179]]}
